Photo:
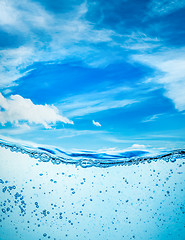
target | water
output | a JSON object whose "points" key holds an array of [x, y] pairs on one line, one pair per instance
{"points": [[48, 193]]}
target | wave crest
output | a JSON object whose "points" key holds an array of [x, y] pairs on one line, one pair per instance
{"points": [[93, 159]]}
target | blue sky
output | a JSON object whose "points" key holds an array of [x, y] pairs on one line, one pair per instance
{"points": [[93, 74]]}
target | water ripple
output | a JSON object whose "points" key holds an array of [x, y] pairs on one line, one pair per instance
{"points": [[88, 159]]}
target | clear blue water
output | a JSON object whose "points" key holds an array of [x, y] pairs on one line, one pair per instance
{"points": [[52, 194]]}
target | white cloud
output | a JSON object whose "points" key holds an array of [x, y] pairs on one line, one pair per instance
{"points": [[170, 65], [96, 123], [138, 146], [18, 110], [162, 7]]}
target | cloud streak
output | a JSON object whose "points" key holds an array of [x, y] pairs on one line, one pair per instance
{"points": [[152, 118], [84, 104], [164, 7]]}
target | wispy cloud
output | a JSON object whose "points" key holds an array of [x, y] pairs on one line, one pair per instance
{"points": [[71, 133], [92, 102], [169, 65], [152, 118], [140, 41], [164, 7], [46, 37], [18, 111]]}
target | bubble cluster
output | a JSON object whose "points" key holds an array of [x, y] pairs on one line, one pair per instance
{"points": [[96, 201]]}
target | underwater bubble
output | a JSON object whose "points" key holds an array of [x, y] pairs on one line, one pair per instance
{"points": [[86, 163], [1, 181], [44, 157]]}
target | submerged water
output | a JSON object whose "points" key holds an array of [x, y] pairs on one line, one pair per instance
{"points": [[48, 193]]}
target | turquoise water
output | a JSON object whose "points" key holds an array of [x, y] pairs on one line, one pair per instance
{"points": [[59, 195]]}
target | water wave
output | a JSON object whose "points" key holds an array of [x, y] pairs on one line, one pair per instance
{"points": [[91, 158]]}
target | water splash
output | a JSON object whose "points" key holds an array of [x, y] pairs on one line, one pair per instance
{"points": [[93, 159]]}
